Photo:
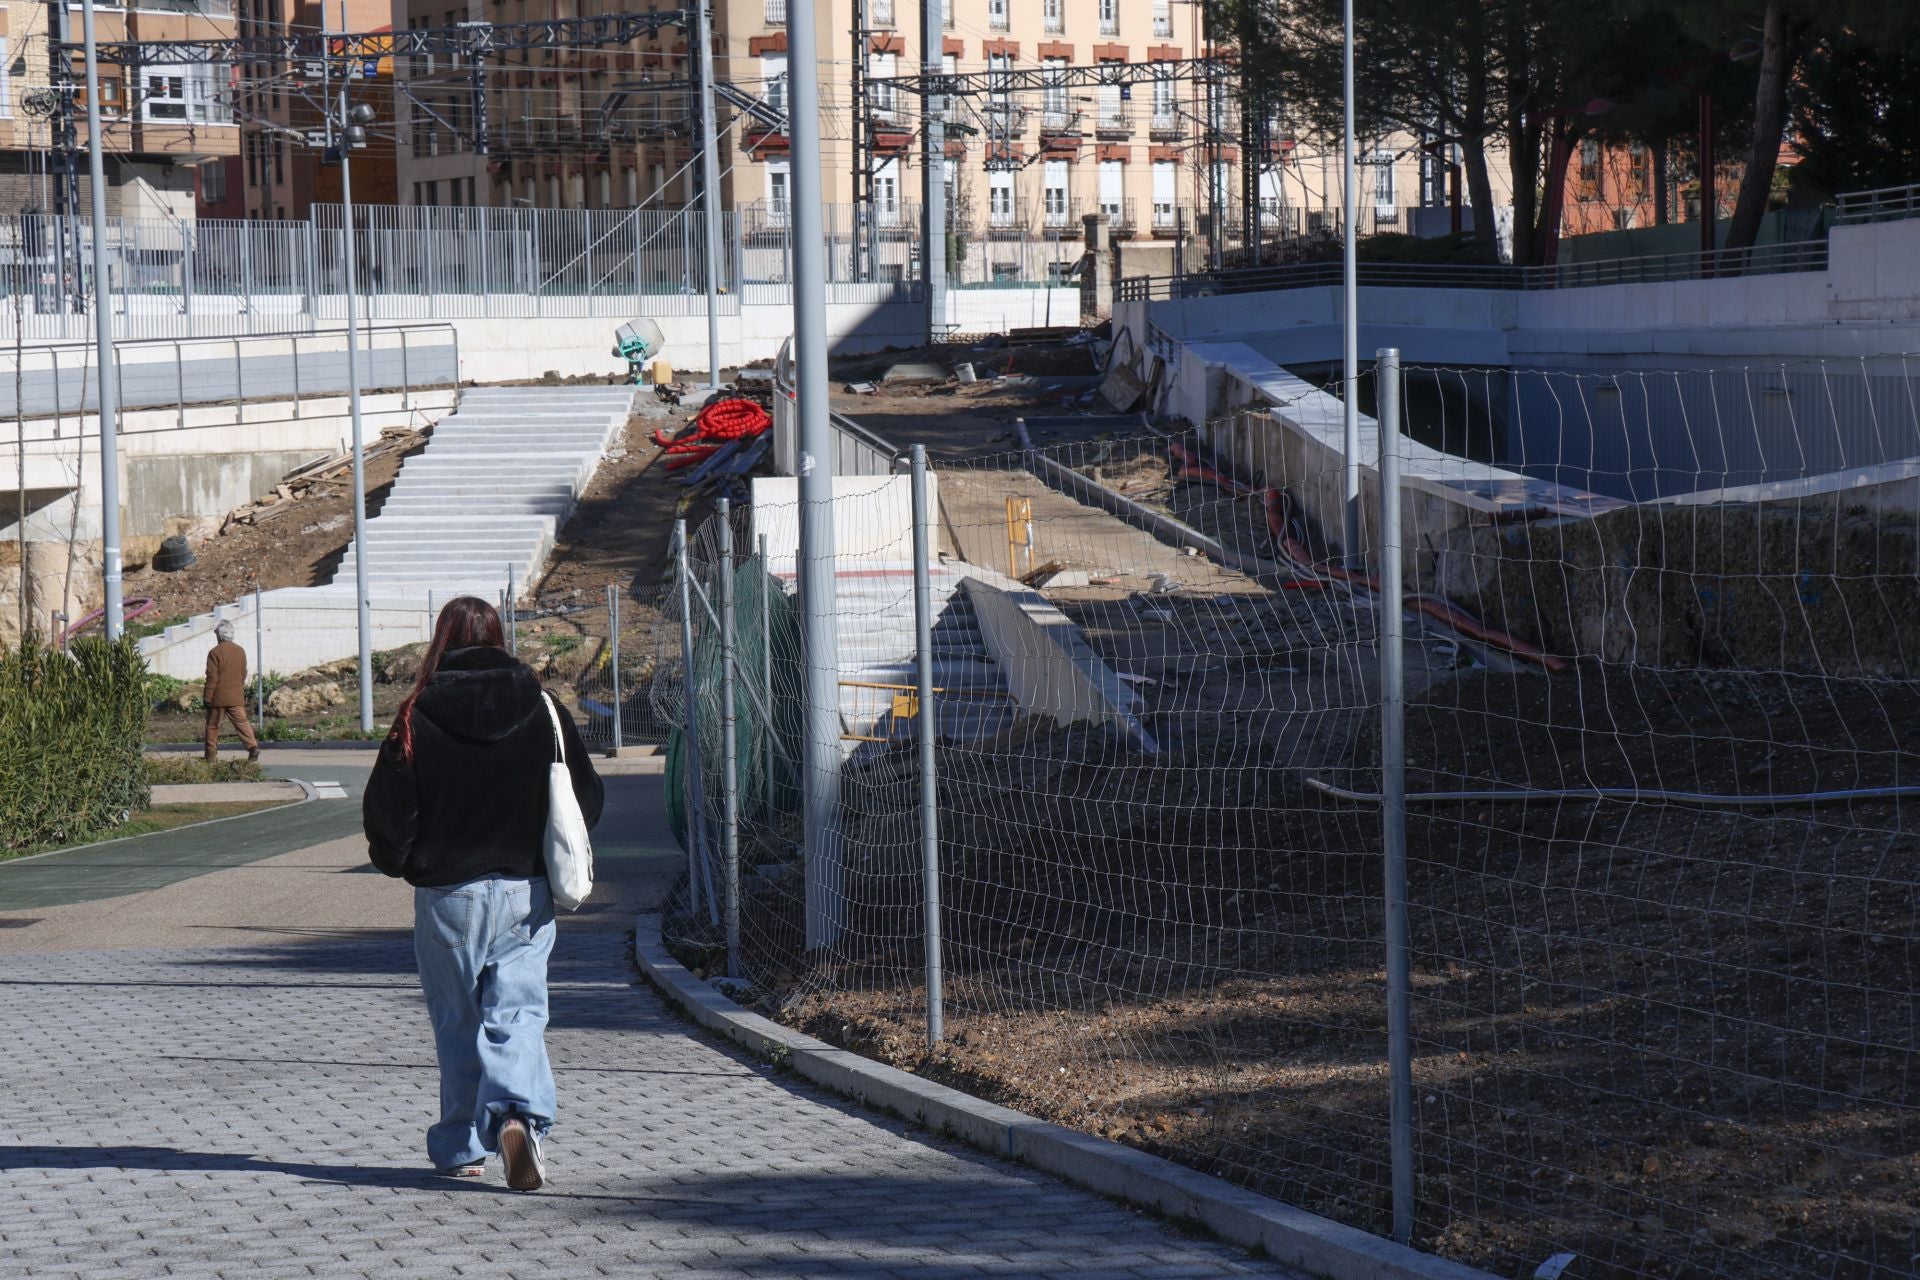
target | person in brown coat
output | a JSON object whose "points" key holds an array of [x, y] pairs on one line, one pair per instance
{"points": [[226, 693]]}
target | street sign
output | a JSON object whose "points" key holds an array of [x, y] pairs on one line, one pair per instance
{"points": [[316, 137]]}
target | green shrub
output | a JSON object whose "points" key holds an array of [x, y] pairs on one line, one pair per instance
{"points": [[70, 735]]}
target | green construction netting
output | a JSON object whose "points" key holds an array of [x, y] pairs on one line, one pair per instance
{"points": [[767, 643]]}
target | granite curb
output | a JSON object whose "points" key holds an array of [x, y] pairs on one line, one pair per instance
{"points": [[1290, 1236]]}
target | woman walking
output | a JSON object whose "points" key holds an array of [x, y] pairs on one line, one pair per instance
{"points": [[457, 806]]}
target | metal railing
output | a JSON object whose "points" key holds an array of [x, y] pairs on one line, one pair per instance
{"points": [[1883, 204], [56, 379], [776, 13], [856, 450], [1777, 259]]}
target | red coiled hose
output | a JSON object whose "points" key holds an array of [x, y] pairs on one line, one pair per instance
{"points": [[718, 423]]}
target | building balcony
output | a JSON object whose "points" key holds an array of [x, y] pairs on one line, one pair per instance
{"points": [[1114, 124], [1166, 126], [1060, 216], [1119, 218], [1166, 218], [1163, 26], [776, 13]]}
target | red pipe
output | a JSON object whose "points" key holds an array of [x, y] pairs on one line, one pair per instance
{"points": [[1441, 610]]}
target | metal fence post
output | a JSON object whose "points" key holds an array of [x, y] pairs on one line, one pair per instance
{"points": [[259, 655], [697, 878], [239, 385], [926, 719], [766, 665], [296, 375], [729, 743], [406, 378], [613, 639], [180, 388], [1393, 793], [513, 627]]}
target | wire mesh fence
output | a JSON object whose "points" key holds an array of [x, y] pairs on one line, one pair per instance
{"points": [[1653, 878]]}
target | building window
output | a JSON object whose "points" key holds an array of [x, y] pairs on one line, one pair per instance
{"points": [[776, 13], [1113, 111], [1056, 16], [996, 14], [950, 64], [1053, 93], [773, 81], [1382, 162], [1163, 19], [779, 189], [185, 95], [1165, 113], [213, 182], [657, 182], [883, 66], [1057, 209], [1109, 17], [1166, 187], [886, 193], [999, 199], [1113, 188], [1637, 164], [880, 12], [998, 103]]}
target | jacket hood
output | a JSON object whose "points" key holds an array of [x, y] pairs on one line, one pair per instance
{"points": [[480, 694]]}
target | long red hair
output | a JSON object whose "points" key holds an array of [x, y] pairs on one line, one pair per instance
{"points": [[467, 622]]}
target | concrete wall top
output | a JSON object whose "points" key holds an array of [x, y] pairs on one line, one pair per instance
{"points": [[1866, 304]]}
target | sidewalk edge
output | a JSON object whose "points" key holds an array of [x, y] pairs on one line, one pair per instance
{"points": [[1288, 1235]]}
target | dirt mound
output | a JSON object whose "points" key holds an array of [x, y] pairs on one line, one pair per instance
{"points": [[1756, 587]]}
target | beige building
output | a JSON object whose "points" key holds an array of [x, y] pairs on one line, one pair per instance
{"points": [[160, 124], [581, 129]]}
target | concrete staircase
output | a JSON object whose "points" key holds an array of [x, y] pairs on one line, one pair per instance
{"points": [[491, 490], [486, 497]]}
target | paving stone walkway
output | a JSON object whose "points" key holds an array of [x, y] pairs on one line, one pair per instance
{"points": [[257, 1112]]}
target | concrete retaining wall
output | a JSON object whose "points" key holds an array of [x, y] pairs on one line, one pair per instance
{"points": [[1050, 670]]}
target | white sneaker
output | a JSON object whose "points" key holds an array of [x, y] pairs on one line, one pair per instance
{"points": [[520, 1149]]}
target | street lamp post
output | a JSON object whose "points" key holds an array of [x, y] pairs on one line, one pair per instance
{"points": [[103, 341], [351, 126], [1350, 307]]}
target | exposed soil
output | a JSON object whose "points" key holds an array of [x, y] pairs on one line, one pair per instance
{"points": [[300, 548], [1676, 1039]]}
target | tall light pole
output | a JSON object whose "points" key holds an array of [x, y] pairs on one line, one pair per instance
{"points": [[1350, 307], [709, 188], [352, 132], [933, 192], [820, 634], [103, 360]]}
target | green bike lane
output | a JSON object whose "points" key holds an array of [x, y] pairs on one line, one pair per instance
{"points": [[139, 864]]}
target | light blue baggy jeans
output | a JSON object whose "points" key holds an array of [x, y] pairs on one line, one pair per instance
{"points": [[482, 948]]}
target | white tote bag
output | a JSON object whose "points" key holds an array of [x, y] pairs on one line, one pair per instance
{"points": [[569, 853]]}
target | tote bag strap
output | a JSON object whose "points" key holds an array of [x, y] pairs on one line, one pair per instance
{"points": [[553, 715]]}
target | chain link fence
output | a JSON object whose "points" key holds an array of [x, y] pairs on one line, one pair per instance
{"points": [[1563, 919]]}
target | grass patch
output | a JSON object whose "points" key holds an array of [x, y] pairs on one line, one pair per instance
{"points": [[176, 768], [142, 628], [161, 817]]}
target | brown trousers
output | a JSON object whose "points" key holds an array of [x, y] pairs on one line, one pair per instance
{"points": [[238, 715]]}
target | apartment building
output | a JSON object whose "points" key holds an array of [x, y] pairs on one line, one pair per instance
{"points": [[615, 128], [277, 106], [162, 126]]}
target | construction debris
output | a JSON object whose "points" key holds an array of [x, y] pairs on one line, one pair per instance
{"points": [[317, 478]]}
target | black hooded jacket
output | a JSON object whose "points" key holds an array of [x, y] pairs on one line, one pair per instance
{"points": [[473, 802]]}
